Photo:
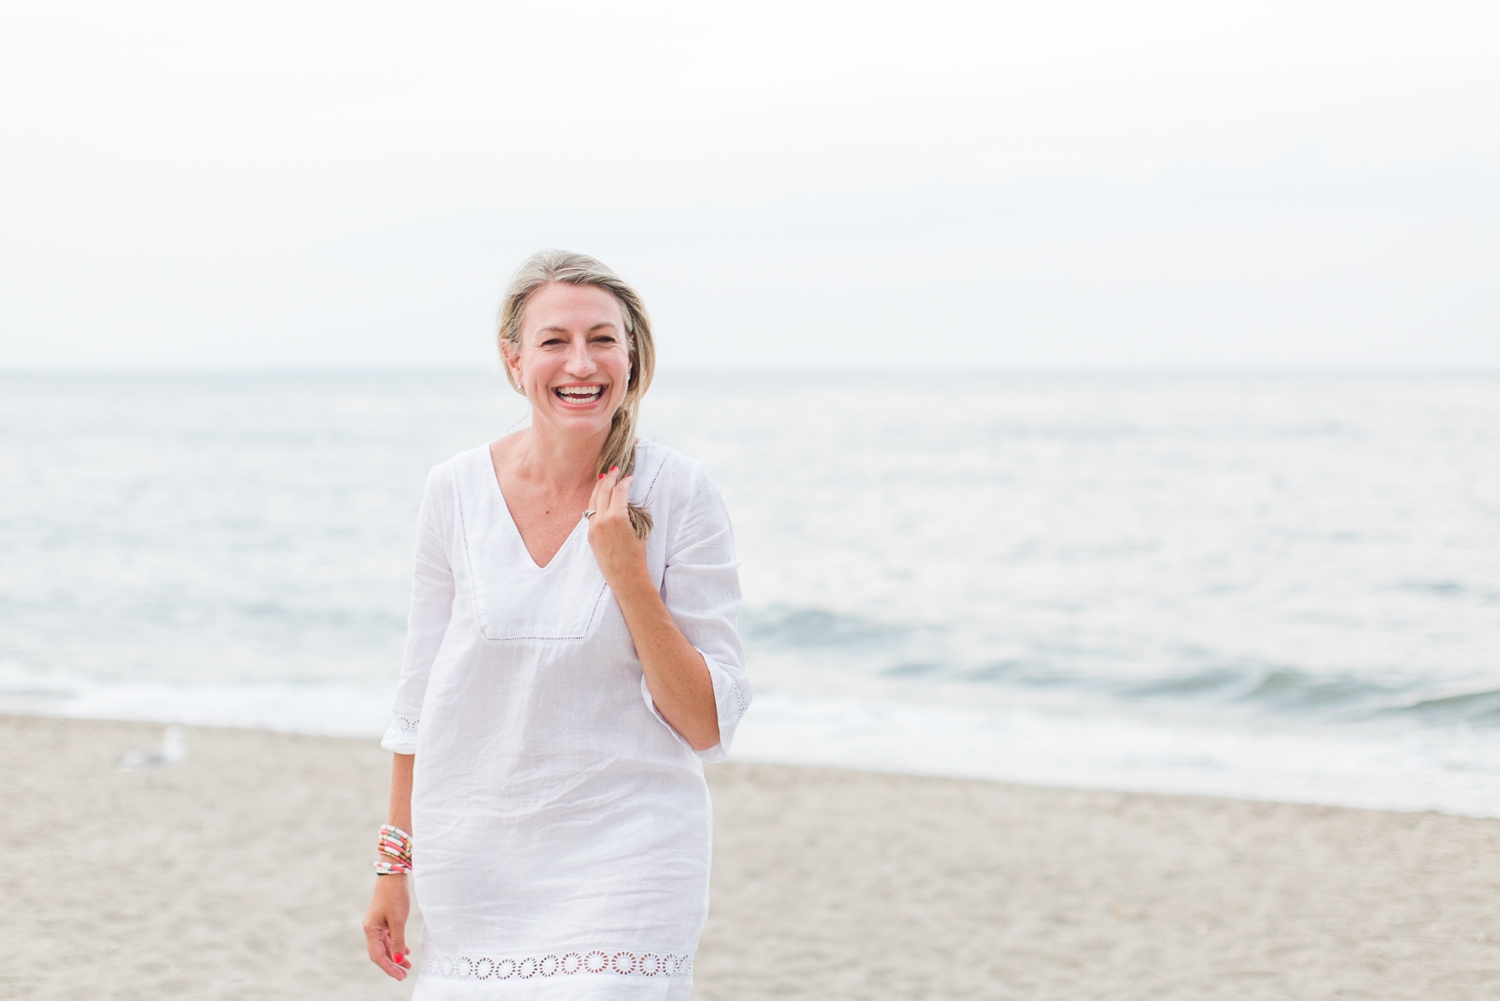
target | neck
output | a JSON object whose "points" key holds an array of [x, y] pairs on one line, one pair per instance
{"points": [[558, 461]]}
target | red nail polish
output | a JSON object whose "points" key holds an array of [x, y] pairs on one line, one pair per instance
{"points": [[398, 957], [601, 476], [613, 468]]}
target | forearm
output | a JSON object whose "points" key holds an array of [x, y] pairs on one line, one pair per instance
{"points": [[399, 813], [390, 903], [676, 672]]}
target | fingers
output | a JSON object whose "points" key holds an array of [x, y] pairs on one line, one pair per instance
{"points": [[608, 490], [619, 497], [593, 504], [599, 498], [391, 959], [400, 955]]}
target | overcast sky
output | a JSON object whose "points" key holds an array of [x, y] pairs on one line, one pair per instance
{"points": [[935, 186]]}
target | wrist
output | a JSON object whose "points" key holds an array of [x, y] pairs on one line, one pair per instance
{"points": [[394, 850], [633, 583]]}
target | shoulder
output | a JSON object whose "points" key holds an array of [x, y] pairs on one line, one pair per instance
{"points": [[685, 504], [662, 472], [680, 493], [458, 471]]}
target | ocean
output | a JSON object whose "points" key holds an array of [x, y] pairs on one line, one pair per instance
{"points": [[1269, 587]]}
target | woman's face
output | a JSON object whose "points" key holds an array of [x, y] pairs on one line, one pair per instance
{"points": [[574, 360]]}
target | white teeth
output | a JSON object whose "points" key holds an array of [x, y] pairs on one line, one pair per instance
{"points": [[580, 394]]}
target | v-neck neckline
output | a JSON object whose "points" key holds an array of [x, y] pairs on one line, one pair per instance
{"points": [[489, 461]]}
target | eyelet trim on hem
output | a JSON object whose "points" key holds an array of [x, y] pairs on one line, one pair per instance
{"points": [[622, 963], [406, 723]]}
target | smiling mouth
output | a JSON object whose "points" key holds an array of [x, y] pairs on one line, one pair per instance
{"points": [[579, 395]]}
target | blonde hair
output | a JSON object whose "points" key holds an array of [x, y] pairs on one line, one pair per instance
{"points": [[562, 267]]}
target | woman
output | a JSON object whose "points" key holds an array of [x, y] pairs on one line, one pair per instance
{"points": [[557, 699]]}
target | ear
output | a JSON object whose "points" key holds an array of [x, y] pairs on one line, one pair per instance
{"points": [[511, 355]]}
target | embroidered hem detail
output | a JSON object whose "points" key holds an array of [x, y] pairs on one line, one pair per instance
{"points": [[407, 724], [646, 964], [739, 699]]}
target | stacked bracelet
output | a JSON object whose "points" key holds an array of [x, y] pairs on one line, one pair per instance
{"points": [[395, 845]]}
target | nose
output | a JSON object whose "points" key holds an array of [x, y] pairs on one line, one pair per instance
{"points": [[580, 361]]}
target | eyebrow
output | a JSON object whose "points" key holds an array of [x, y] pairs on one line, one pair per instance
{"points": [[564, 330]]}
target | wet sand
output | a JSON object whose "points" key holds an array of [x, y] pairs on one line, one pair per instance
{"points": [[243, 872]]}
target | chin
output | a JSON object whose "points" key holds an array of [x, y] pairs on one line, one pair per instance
{"points": [[581, 424]]}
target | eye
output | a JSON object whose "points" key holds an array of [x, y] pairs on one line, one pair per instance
{"points": [[604, 339]]}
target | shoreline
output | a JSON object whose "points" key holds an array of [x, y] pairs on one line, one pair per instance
{"points": [[1365, 766], [244, 871]]}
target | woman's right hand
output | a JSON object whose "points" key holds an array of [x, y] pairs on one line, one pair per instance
{"points": [[385, 926]]}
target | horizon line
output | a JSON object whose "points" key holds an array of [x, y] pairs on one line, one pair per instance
{"points": [[1004, 371]]}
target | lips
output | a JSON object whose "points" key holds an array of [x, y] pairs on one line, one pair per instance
{"points": [[579, 395]]}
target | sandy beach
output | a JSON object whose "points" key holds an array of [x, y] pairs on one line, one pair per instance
{"points": [[243, 873]]}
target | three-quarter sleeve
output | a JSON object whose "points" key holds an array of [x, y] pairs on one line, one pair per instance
{"points": [[701, 588], [431, 608]]}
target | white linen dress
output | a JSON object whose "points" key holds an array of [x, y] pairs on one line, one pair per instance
{"points": [[561, 826]]}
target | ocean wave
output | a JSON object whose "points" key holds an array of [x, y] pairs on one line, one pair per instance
{"points": [[909, 653], [1450, 589], [899, 650], [1482, 707], [801, 627], [1292, 689], [1286, 690]]}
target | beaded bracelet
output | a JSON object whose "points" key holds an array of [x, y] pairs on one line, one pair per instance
{"points": [[394, 844]]}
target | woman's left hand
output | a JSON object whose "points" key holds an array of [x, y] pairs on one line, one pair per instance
{"points": [[621, 554], [676, 673]]}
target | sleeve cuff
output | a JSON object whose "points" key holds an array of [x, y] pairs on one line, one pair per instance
{"points": [[401, 735], [730, 701]]}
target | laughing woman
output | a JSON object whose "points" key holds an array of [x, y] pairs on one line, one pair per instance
{"points": [[570, 662]]}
